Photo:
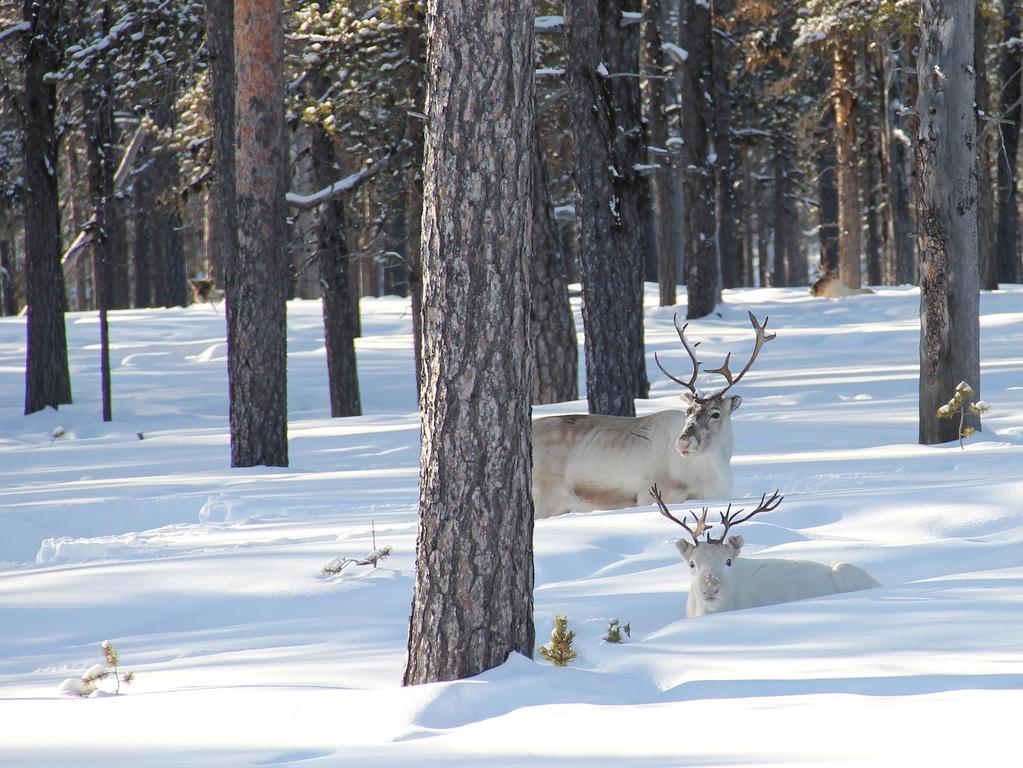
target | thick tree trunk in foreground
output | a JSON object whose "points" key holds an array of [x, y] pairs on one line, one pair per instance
{"points": [[605, 118], [258, 282], [473, 603], [947, 214], [47, 378]]}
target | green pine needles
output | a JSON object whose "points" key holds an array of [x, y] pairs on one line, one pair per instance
{"points": [[88, 683], [617, 632], [559, 650], [958, 405]]}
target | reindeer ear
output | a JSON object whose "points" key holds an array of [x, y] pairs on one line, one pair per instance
{"points": [[736, 542], [685, 547], [736, 402]]}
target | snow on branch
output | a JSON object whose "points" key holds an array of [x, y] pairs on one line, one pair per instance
{"points": [[347, 184], [21, 26], [631, 17], [549, 23], [677, 53]]}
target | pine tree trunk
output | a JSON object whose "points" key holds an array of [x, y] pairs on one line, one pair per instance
{"points": [[763, 191], [473, 603], [702, 270], [986, 143], [413, 46], [554, 348], [47, 378], [724, 165], [1008, 155], [849, 241], [654, 98], [332, 261], [257, 285], [97, 105], [144, 246], [903, 269], [787, 270], [827, 189], [8, 300], [223, 216], [947, 213], [604, 113]]}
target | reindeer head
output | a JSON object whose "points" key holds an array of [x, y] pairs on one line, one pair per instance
{"points": [[712, 560], [706, 416]]}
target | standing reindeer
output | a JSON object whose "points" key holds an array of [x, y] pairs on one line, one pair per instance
{"points": [[586, 462], [721, 581]]}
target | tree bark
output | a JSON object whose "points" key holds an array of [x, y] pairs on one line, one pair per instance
{"points": [[473, 602], [827, 189], [258, 283], [873, 178], [47, 377], [849, 247], [223, 216], [787, 267], [724, 164], [986, 142], [554, 348], [1008, 154], [656, 129], [604, 112], [703, 283], [947, 213], [8, 301], [897, 146]]}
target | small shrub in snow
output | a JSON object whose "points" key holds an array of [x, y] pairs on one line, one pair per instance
{"points": [[57, 432], [87, 684], [559, 651], [958, 405], [338, 564], [616, 632]]}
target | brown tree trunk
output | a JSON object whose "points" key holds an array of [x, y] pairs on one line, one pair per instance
{"points": [[849, 247], [604, 112], [47, 378], [223, 215], [702, 274], [473, 602], [257, 285], [1008, 154], [724, 164], [947, 214], [554, 349], [986, 142], [654, 99]]}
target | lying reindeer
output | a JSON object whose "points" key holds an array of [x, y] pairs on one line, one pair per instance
{"points": [[721, 581], [829, 286], [587, 462]]}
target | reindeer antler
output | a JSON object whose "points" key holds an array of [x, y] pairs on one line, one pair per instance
{"points": [[762, 338], [691, 349], [701, 523], [730, 519]]}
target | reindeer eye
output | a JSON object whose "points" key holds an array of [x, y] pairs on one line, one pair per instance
{"points": [[728, 562], [715, 414]]}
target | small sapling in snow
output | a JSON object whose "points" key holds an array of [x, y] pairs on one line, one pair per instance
{"points": [[57, 432], [87, 684], [559, 650], [617, 632], [958, 405], [338, 564]]}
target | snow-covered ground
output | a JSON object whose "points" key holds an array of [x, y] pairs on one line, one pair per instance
{"points": [[208, 579]]}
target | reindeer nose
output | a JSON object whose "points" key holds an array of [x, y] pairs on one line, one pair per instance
{"points": [[711, 584]]}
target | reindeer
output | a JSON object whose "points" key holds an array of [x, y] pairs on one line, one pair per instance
{"points": [[721, 581], [829, 286], [586, 462]]}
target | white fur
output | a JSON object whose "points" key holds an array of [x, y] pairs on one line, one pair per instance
{"points": [[751, 582], [587, 462]]}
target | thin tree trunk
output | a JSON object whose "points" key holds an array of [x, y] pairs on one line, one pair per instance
{"points": [[903, 269], [413, 45], [654, 93], [554, 348], [702, 268], [849, 247], [223, 216], [1008, 152], [257, 286], [947, 214], [787, 270], [724, 164], [986, 135], [605, 119], [473, 602], [47, 378], [8, 304], [763, 235], [827, 189]]}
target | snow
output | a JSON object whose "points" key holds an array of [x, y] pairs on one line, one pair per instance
{"points": [[679, 54], [548, 23], [209, 580], [338, 187]]}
